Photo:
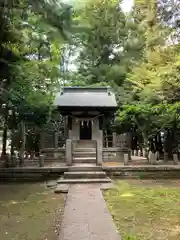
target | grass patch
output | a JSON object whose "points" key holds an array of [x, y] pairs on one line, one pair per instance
{"points": [[29, 212], [144, 212]]}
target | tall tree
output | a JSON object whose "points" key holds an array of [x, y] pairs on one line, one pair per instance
{"points": [[31, 42], [102, 41]]}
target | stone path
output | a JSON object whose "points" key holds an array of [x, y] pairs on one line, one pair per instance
{"points": [[86, 215]]}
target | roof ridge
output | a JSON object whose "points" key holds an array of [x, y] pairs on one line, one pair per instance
{"points": [[86, 96]]}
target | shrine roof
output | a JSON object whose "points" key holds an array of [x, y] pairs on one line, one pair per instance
{"points": [[86, 97]]}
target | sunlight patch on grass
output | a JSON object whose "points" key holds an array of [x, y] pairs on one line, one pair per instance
{"points": [[127, 195]]}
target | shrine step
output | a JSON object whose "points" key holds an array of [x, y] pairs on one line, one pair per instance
{"points": [[84, 168], [78, 154], [84, 159], [84, 180], [85, 175], [85, 150], [84, 144]]}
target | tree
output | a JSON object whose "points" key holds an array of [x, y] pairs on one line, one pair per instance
{"points": [[102, 41], [31, 42], [151, 88]]}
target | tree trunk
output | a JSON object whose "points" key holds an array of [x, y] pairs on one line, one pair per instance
{"points": [[12, 149], [174, 138], [23, 142], [5, 131], [168, 143], [152, 145]]}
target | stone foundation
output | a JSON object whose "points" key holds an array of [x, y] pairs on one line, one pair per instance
{"points": [[137, 172], [114, 154], [108, 154], [58, 154], [31, 173]]}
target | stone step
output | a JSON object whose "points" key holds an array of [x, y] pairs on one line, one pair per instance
{"points": [[84, 168], [84, 159], [84, 180], [84, 144], [75, 175], [61, 188], [84, 154], [84, 150]]}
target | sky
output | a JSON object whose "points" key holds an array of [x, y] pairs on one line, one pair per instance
{"points": [[126, 4]]}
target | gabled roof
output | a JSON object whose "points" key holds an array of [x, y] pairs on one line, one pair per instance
{"points": [[86, 97]]}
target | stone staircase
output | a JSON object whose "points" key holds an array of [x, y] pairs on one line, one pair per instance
{"points": [[84, 168], [84, 173], [84, 155], [84, 152]]}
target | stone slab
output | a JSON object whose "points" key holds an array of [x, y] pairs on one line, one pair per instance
{"points": [[86, 216], [61, 188], [84, 159], [107, 186], [143, 168], [85, 174], [51, 184], [83, 181], [84, 167]]}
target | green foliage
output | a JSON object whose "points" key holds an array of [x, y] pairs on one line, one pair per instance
{"points": [[129, 237], [137, 54], [31, 41], [101, 42]]}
